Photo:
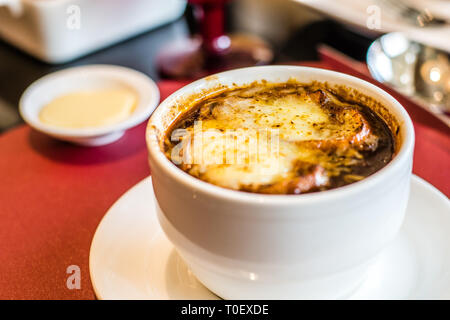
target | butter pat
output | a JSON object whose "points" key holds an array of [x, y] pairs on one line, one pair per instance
{"points": [[88, 109]]}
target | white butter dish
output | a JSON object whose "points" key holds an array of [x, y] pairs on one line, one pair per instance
{"points": [[57, 31], [84, 78]]}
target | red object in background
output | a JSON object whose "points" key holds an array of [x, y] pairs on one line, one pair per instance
{"points": [[211, 16], [53, 196], [213, 50]]}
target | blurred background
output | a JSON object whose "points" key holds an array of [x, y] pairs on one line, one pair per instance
{"points": [[37, 38]]}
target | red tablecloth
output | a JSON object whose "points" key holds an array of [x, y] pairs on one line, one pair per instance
{"points": [[53, 195]]}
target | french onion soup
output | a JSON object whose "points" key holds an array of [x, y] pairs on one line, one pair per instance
{"points": [[281, 138]]}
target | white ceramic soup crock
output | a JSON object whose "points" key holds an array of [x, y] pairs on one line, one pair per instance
{"points": [[254, 246]]}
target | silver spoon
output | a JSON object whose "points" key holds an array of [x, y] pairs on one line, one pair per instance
{"points": [[419, 18], [418, 71]]}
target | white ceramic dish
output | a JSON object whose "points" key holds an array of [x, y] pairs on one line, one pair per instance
{"points": [[131, 258], [246, 245], [90, 77], [57, 31]]}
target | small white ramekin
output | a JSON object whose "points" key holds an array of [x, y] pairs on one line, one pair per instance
{"points": [[90, 77], [254, 246]]}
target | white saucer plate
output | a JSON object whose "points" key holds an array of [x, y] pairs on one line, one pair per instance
{"points": [[131, 258]]}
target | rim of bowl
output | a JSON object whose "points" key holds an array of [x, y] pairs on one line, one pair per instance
{"points": [[170, 169], [135, 79]]}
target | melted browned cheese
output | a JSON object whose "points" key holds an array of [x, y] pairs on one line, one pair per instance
{"points": [[280, 138]]}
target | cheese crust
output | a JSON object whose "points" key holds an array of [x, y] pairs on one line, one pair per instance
{"points": [[280, 139]]}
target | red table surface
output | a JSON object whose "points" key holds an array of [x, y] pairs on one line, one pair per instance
{"points": [[53, 196]]}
